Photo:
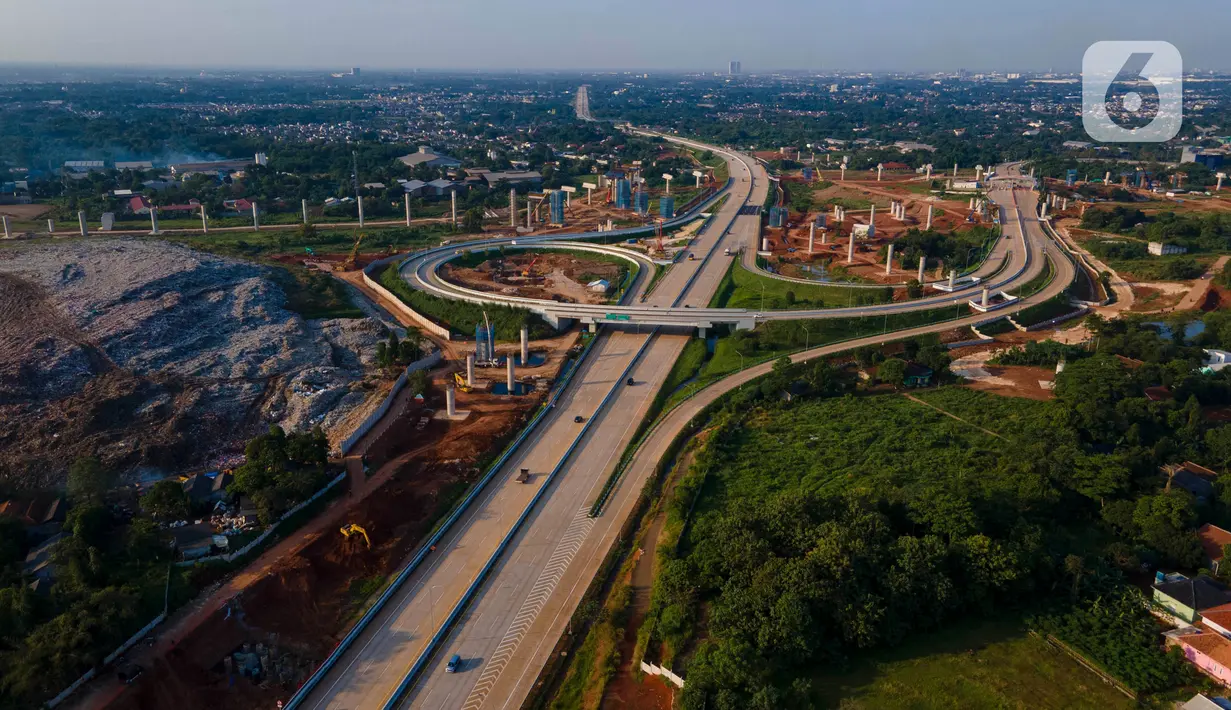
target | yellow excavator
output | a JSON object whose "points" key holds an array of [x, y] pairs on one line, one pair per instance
{"points": [[460, 381], [349, 264], [353, 529]]}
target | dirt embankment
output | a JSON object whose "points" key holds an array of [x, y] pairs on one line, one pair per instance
{"points": [[148, 354], [547, 275], [304, 602]]}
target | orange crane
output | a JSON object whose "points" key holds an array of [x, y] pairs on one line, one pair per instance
{"points": [[529, 270]]}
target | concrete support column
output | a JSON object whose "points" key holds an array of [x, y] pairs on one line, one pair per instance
{"points": [[850, 249], [407, 210], [929, 217], [986, 294], [256, 217], [701, 332], [879, 170], [922, 261], [154, 220], [765, 244], [303, 204], [1044, 214], [453, 205], [872, 218], [509, 375], [470, 370], [359, 200], [5, 220], [525, 346], [811, 237], [593, 327], [889, 260], [81, 223], [955, 170], [51, 226], [952, 278], [824, 237], [529, 213], [204, 220], [451, 401]]}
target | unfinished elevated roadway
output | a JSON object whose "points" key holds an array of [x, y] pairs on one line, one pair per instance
{"points": [[508, 569]]}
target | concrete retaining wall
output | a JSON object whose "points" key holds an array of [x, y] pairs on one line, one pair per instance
{"points": [[964, 343], [664, 672], [426, 363], [398, 304]]}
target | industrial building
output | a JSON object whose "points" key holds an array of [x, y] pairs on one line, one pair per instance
{"points": [[426, 156]]}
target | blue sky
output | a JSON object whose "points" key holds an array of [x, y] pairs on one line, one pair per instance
{"points": [[633, 34]]}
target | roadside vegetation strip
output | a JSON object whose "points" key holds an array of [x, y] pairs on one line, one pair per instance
{"points": [[742, 288], [438, 533], [1038, 283], [782, 339], [462, 317], [417, 667]]}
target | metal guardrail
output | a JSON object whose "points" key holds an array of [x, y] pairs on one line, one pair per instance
{"points": [[417, 667]]}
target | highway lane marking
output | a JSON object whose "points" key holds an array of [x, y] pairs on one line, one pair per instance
{"points": [[559, 561]]}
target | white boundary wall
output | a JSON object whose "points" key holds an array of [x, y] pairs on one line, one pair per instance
{"points": [[424, 363], [664, 672], [398, 304]]}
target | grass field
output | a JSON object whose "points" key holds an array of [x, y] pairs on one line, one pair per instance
{"points": [[1003, 415], [830, 445], [741, 288], [993, 665]]}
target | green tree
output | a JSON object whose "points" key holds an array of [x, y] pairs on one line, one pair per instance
{"points": [[87, 480], [892, 371], [167, 500], [473, 222]]}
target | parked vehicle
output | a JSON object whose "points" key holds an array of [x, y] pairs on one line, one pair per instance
{"points": [[454, 664]]}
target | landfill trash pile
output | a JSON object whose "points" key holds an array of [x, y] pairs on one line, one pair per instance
{"points": [[146, 353]]}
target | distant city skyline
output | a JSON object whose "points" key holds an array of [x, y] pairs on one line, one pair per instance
{"points": [[686, 35]]}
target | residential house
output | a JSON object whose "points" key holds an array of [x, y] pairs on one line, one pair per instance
{"points": [[242, 205], [1186, 598], [917, 375], [1188, 476], [38, 562], [1216, 360], [1218, 619], [1213, 539], [194, 541], [414, 188], [137, 204], [1161, 249], [441, 187], [203, 488], [1203, 702], [1208, 651], [134, 165], [426, 156]]}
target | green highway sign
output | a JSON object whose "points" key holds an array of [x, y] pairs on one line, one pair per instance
{"points": [[618, 316]]}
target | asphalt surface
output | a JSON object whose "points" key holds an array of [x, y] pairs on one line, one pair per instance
{"points": [[367, 676]]}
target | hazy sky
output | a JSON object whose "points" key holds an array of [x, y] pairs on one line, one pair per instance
{"points": [[590, 34]]}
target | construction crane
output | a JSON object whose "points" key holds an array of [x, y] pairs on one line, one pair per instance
{"points": [[351, 530], [350, 262], [529, 270], [460, 382]]}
